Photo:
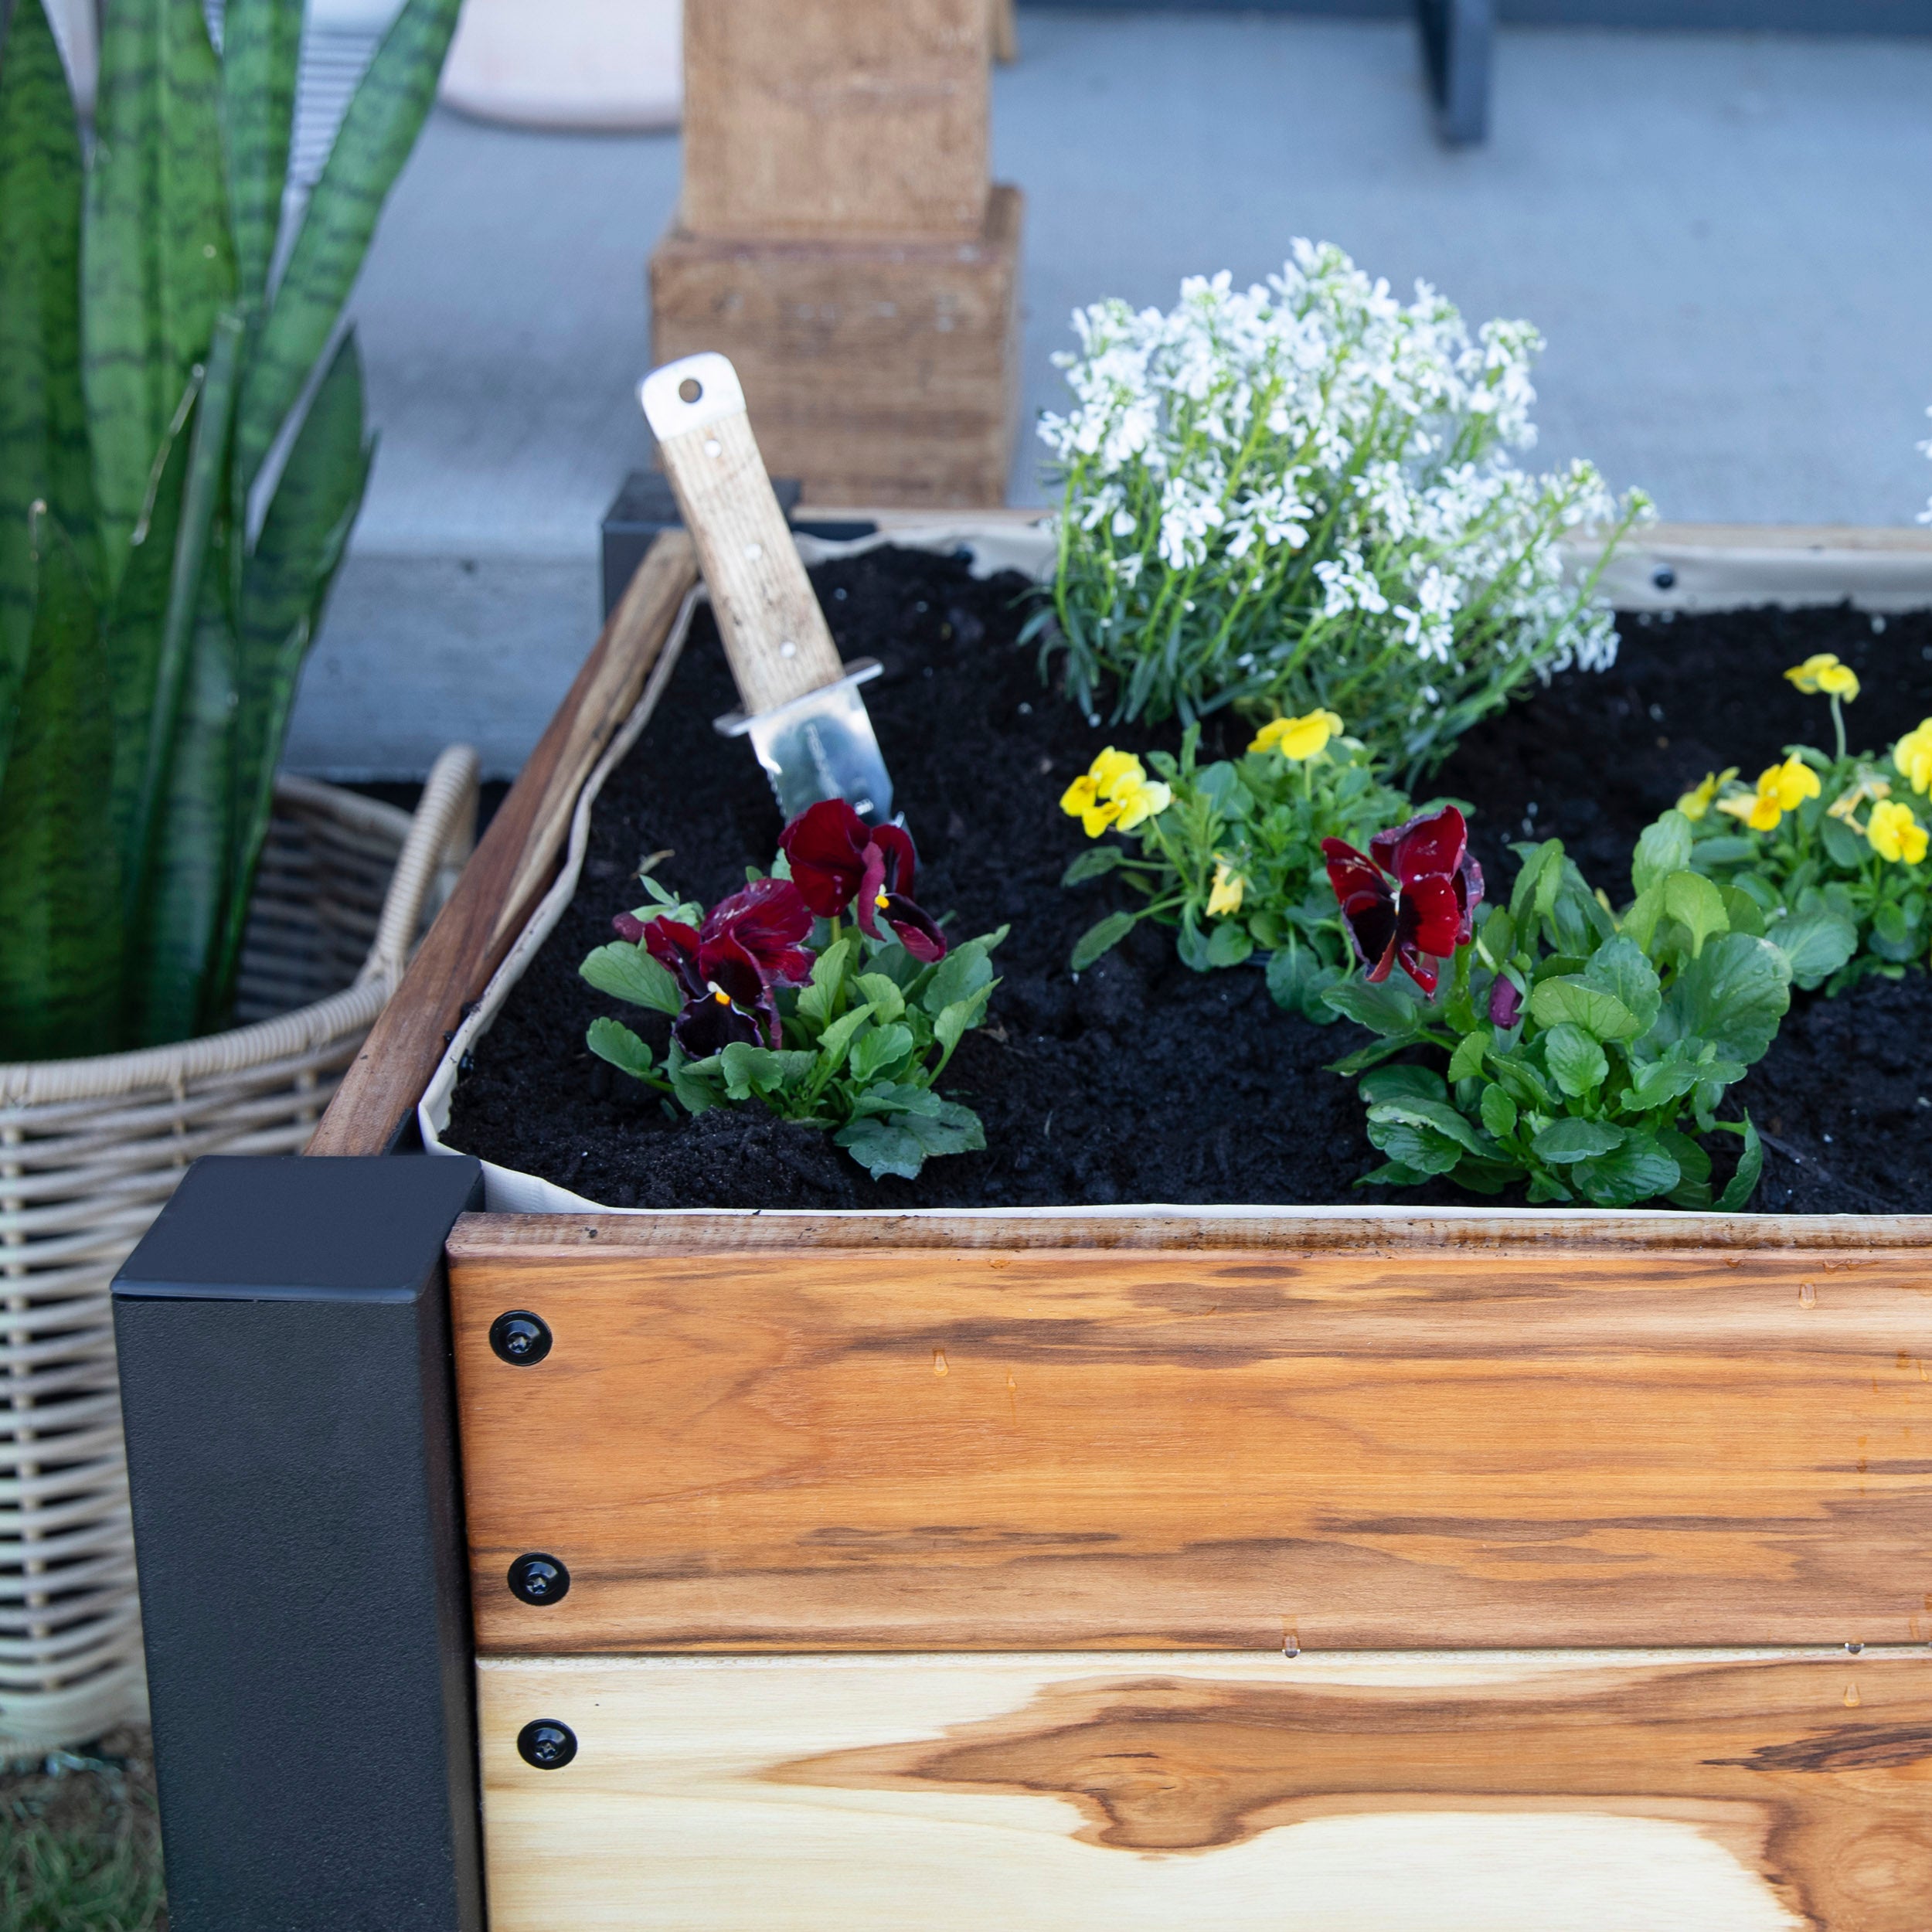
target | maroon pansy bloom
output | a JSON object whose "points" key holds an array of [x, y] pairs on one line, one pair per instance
{"points": [[729, 968], [836, 858], [1505, 1003], [1410, 897]]}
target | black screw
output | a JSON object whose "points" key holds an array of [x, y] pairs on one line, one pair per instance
{"points": [[546, 1745], [538, 1579], [1663, 576], [521, 1338]]}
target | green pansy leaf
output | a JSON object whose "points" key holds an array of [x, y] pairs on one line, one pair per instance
{"points": [[1437, 1116], [629, 972], [960, 1018], [1229, 944], [1743, 1184], [1570, 1140], [1389, 1009], [1403, 1083], [890, 1140], [833, 1041], [1639, 1170], [697, 1091], [1745, 913], [750, 1070], [887, 1002], [1842, 844], [1534, 890], [1576, 1061], [963, 971], [1663, 848], [1498, 1112], [1732, 996], [1571, 1001], [1100, 939], [1695, 903], [877, 1052], [1466, 1061], [611, 1040], [1815, 945], [1619, 967], [1092, 865]]}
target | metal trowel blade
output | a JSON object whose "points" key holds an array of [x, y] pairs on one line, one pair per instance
{"points": [[822, 746]]}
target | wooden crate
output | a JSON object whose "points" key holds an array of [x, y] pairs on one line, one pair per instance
{"points": [[874, 371], [836, 119], [1466, 1572]]}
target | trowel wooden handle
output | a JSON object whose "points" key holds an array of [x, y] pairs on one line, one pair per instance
{"points": [[774, 633]]}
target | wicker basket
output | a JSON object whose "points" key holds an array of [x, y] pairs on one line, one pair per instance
{"points": [[89, 1151]]}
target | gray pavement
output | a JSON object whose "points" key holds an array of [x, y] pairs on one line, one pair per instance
{"points": [[1726, 238]]}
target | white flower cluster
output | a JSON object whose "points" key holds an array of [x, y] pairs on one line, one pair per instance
{"points": [[1263, 482]]}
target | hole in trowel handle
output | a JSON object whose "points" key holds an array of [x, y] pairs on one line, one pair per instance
{"points": [[690, 389]]}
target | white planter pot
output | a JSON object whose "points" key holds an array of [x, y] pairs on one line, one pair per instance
{"points": [[612, 66]]}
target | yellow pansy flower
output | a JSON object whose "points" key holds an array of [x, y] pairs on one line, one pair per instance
{"points": [[1781, 788], [1896, 835], [1226, 895], [1298, 738], [1114, 790], [1822, 671], [1913, 755], [1863, 793], [1696, 802]]}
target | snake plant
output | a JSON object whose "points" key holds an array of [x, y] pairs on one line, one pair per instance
{"points": [[182, 453]]}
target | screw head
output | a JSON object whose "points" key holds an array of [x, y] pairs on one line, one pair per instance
{"points": [[546, 1744], [539, 1580], [520, 1338], [1663, 576]]}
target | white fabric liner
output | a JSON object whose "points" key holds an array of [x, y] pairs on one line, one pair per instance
{"points": [[1713, 577]]}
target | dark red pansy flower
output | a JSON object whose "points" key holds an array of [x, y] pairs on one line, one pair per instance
{"points": [[628, 925], [726, 997], [767, 919], [836, 858], [1410, 897]]}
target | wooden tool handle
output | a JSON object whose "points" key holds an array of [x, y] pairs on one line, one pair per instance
{"points": [[774, 633]]}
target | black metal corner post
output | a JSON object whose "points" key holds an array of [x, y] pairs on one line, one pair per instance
{"points": [[287, 1384], [1457, 42]]}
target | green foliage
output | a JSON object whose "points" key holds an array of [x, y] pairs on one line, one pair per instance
{"points": [[864, 1043], [1594, 1075], [1825, 853], [148, 366], [1234, 863]]}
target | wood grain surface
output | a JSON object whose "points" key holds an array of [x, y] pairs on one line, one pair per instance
{"points": [[884, 372], [836, 119], [1418, 1442], [1552, 1794], [774, 633], [510, 868]]}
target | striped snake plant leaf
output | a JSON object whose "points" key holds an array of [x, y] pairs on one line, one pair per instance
{"points": [[203, 525], [158, 256], [136, 616], [60, 954], [188, 885], [43, 421], [384, 116], [260, 56], [285, 585]]}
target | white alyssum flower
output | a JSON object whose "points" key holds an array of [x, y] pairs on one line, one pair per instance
{"points": [[1306, 492]]}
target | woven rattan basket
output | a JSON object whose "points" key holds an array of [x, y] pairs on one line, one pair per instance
{"points": [[89, 1151]]}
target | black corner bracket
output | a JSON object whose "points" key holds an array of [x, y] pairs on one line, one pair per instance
{"points": [[1457, 39], [287, 1387]]}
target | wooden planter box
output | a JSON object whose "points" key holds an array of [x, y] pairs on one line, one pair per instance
{"points": [[1331, 1568]]}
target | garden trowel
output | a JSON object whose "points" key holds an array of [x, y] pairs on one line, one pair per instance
{"points": [[803, 711]]}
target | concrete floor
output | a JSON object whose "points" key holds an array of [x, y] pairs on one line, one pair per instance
{"points": [[1725, 239]]}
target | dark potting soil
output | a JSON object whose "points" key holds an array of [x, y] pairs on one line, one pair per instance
{"points": [[1142, 1081]]}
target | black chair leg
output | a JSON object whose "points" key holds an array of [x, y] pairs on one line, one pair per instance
{"points": [[1456, 39]]}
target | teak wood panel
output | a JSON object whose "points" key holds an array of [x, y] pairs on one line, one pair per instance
{"points": [[1418, 1444], [1759, 1794]]}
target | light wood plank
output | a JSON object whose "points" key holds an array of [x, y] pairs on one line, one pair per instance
{"points": [[1415, 1442], [1552, 1794]]}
